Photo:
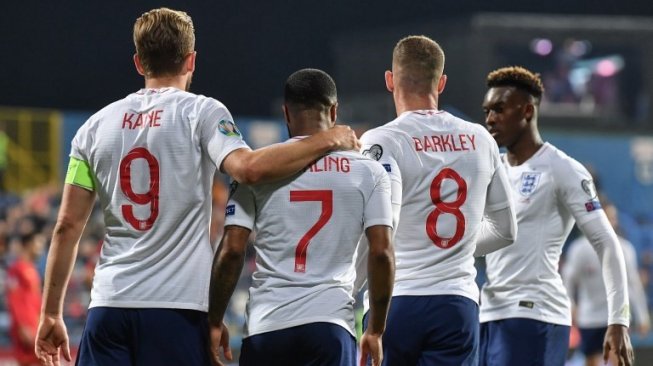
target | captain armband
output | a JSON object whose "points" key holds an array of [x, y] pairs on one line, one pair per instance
{"points": [[79, 174]]}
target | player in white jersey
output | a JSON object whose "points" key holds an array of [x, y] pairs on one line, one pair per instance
{"points": [[445, 174], [525, 311], [300, 308], [580, 275], [151, 158]]}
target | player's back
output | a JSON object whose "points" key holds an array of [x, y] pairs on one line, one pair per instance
{"points": [[153, 174], [445, 166], [307, 231]]}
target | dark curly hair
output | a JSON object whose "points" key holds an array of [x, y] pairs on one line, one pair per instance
{"points": [[518, 77]]}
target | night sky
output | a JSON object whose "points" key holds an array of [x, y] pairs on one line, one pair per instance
{"points": [[78, 55]]}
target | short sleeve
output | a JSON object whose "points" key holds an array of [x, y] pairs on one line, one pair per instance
{"points": [[378, 209], [576, 190], [377, 145], [219, 135], [241, 207], [498, 191]]}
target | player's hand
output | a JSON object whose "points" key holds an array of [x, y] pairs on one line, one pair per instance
{"points": [[371, 347], [617, 340], [51, 338], [219, 339], [343, 137]]}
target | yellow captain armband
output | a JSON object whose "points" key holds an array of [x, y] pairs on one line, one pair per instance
{"points": [[79, 174]]}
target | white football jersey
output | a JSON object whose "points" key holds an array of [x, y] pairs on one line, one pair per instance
{"points": [[581, 274], [445, 172], [550, 191], [154, 155], [307, 231]]}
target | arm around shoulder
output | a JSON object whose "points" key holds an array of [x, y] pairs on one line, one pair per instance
{"points": [[279, 161]]}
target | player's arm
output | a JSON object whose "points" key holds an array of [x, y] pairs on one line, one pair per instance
{"points": [[227, 265], [76, 206], [499, 225], [282, 160], [380, 274], [600, 234]]}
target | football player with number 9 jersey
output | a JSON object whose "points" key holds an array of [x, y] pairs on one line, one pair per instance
{"points": [[151, 158], [446, 176]]}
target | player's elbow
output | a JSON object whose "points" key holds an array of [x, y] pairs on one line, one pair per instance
{"points": [[250, 172]]}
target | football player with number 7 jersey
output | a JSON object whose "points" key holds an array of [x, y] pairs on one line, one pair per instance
{"points": [[446, 176], [151, 158], [300, 309]]}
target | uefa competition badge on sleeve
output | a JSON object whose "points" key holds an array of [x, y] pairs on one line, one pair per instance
{"points": [[374, 152], [228, 128]]}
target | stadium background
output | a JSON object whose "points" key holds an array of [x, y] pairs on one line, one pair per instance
{"points": [[62, 61]]}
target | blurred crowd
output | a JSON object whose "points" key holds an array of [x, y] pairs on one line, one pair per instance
{"points": [[32, 216]]}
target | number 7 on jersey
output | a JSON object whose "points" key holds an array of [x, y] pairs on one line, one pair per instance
{"points": [[326, 198]]}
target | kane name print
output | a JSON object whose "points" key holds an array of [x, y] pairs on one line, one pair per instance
{"points": [[444, 143], [132, 121]]}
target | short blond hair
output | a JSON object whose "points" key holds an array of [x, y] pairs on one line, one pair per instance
{"points": [[418, 62], [163, 38]]}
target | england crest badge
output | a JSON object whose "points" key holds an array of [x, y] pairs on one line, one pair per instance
{"points": [[529, 181]]}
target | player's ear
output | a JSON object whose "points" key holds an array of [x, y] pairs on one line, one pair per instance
{"points": [[190, 61], [441, 83], [333, 113], [389, 81], [529, 111], [286, 115], [139, 66]]}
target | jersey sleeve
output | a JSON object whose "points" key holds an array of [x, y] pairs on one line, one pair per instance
{"points": [[241, 207], [378, 145], [80, 145], [378, 209], [606, 244], [636, 291], [576, 191], [498, 191], [219, 135]]}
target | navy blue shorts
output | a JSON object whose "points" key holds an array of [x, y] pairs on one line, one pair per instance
{"points": [[523, 342], [315, 344], [120, 336], [431, 330], [591, 340]]}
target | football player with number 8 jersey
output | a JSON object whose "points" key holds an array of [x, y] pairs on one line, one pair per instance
{"points": [[300, 309], [446, 177], [151, 158]]}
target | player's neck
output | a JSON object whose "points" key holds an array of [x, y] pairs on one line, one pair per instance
{"points": [[525, 147], [178, 81], [405, 102]]}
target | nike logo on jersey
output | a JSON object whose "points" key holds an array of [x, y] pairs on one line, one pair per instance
{"points": [[453, 143]]}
